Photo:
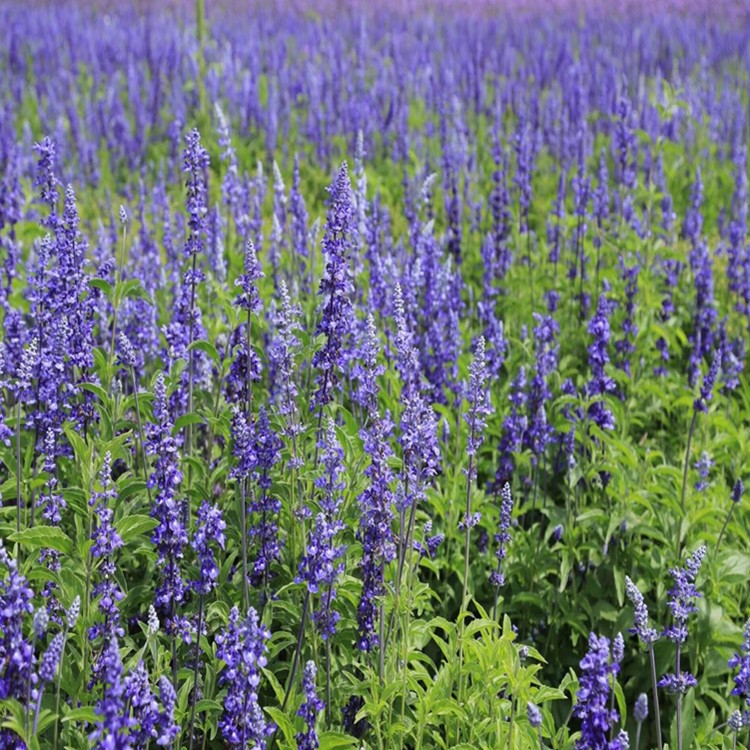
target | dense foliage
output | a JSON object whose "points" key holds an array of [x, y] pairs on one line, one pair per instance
{"points": [[373, 381]]}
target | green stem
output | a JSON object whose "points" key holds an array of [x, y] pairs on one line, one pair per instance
{"points": [[196, 669], [685, 477], [657, 712], [723, 529], [18, 467], [57, 692], [140, 432]]}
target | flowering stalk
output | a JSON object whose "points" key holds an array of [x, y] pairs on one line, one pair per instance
{"points": [[50, 660], [502, 537], [647, 636], [119, 268], [681, 604], [210, 529], [479, 408], [641, 714], [699, 405], [737, 492], [309, 710], [195, 164], [335, 289], [71, 618], [127, 358]]}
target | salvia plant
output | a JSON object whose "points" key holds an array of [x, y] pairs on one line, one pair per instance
{"points": [[373, 376]]}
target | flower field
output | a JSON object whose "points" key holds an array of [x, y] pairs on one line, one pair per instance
{"points": [[374, 377]]}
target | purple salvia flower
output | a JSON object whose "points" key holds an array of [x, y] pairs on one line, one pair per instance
{"points": [[210, 530], [335, 289], [556, 221], [112, 728], [534, 715], [279, 196], [46, 180], [143, 705], [195, 165], [298, 226], [418, 425], [693, 224], [625, 144], [366, 369], [546, 349], [170, 536], [704, 317], [376, 501], [601, 192], [242, 647], [5, 432], [125, 351], [500, 204], [647, 635], [524, 148], [106, 543], [737, 491], [680, 602], [618, 651], [600, 384], [736, 722], [625, 346], [709, 381], [323, 564], [309, 710], [265, 455], [51, 501], [281, 354], [681, 596], [515, 425], [16, 651], [741, 662], [593, 697], [640, 712], [230, 184], [51, 660], [502, 536], [167, 729], [703, 467], [477, 394]]}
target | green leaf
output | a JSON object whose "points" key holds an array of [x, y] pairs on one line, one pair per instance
{"points": [[208, 706], [103, 285], [185, 420], [208, 348], [131, 527], [40, 537], [284, 724], [333, 740], [83, 714]]}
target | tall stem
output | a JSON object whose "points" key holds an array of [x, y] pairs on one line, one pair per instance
{"points": [[679, 700], [297, 650], [196, 669], [685, 478], [18, 466], [140, 432], [657, 712], [723, 529], [328, 681], [57, 690], [464, 594], [116, 300], [381, 649], [686, 464], [243, 529]]}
